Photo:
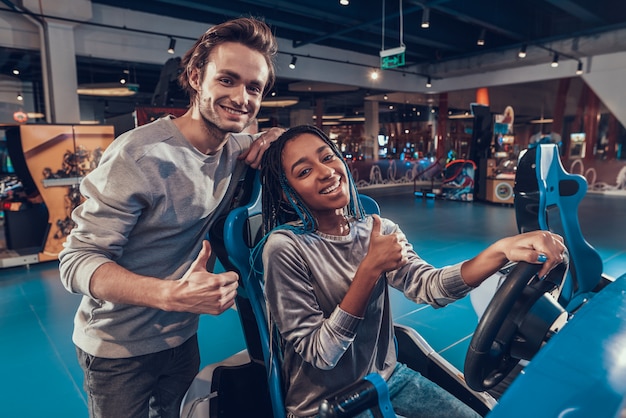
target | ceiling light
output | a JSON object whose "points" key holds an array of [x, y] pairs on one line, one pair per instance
{"points": [[124, 77], [284, 101], [20, 97], [542, 120], [16, 71], [344, 2], [579, 69], [330, 116], [464, 115], [426, 18], [108, 89], [353, 119], [481, 38], [522, 52], [385, 97], [429, 84], [292, 64], [374, 75], [555, 60], [172, 48]]}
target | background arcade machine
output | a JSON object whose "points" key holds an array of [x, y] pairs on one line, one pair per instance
{"points": [[482, 136], [498, 163], [500, 180], [458, 183], [50, 161]]}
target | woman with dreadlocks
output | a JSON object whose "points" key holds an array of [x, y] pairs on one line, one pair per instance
{"points": [[327, 268]]}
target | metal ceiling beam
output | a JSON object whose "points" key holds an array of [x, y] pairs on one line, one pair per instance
{"points": [[577, 11], [481, 22], [353, 28]]}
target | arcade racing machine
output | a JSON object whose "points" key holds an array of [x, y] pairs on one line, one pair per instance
{"points": [[572, 348]]}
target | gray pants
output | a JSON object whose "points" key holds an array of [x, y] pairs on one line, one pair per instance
{"points": [[148, 386]]}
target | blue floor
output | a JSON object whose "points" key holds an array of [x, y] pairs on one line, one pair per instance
{"points": [[40, 375]]}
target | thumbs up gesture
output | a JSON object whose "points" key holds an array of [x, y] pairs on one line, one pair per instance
{"points": [[386, 252], [200, 291]]}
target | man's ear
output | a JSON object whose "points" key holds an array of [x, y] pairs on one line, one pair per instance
{"points": [[194, 79]]}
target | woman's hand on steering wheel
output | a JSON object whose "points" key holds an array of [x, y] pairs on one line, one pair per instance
{"points": [[535, 247]]}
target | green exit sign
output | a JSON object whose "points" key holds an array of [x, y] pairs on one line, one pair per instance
{"points": [[392, 58]]}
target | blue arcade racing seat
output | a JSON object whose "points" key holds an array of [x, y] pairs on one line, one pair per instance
{"points": [[243, 229], [547, 198], [217, 390]]}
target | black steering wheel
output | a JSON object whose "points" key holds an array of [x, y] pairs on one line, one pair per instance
{"points": [[522, 315]]}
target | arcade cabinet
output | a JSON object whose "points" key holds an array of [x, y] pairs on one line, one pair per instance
{"points": [[458, 183], [50, 161], [482, 136]]}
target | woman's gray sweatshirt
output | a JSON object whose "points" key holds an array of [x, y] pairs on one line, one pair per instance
{"points": [[326, 348]]}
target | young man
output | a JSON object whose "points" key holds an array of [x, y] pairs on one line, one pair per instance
{"points": [[327, 270], [137, 253]]}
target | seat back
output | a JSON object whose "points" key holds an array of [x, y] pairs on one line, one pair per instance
{"points": [[243, 229], [547, 198]]}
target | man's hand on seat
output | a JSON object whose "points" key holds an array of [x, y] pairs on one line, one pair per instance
{"points": [[255, 153]]}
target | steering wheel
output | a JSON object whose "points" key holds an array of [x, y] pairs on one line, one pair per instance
{"points": [[522, 315]]}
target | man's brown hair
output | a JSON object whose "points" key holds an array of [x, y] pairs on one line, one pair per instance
{"points": [[251, 32]]}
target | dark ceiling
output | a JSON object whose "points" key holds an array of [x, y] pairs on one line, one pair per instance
{"points": [[455, 26]]}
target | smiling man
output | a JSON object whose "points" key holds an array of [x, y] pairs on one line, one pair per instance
{"points": [[137, 253]]}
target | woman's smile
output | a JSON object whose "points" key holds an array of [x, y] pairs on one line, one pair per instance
{"points": [[333, 187]]}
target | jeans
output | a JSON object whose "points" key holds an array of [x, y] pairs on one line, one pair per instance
{"points": [[148, 386], [413, 396]]}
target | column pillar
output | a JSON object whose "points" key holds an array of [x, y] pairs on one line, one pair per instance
{"points": [[442, 123], [611, 150], [59, 56], [591, 124], [301, 117], [371, 127], [559, 106], [63, 80], [319, 112]]}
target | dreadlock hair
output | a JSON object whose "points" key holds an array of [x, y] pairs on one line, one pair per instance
{"points": [[280, 202]]}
